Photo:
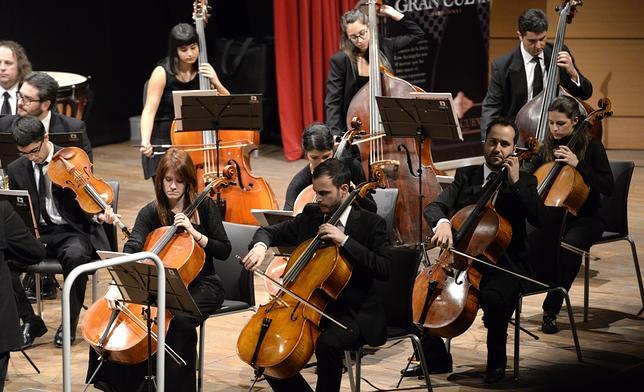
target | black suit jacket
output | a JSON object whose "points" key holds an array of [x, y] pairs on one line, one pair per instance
{"points": [[59, 124], [516, 203], [21, 176], [342, 81], [508, 89], [17, 243], [365, 250]]}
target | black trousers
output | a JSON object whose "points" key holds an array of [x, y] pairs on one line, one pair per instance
{"points": [[4, 363], [71, 249], [498, 297], [208, 294], [582, 233], [329, 352]]}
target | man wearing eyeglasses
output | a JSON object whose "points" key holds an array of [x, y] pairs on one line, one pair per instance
{"points": [[37, 97], [70, 235]]}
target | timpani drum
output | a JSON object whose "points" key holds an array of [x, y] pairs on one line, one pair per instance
{"points": [[73, 94]]}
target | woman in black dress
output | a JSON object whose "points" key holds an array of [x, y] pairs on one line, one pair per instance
{"points": [[178, 71]]}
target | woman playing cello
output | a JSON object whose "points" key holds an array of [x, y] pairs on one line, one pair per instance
{"points": [[588, 157], [178, 71], [175, 187], [362, 242], [349, 68]]}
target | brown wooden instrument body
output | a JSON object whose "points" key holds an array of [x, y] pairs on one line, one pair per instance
{"points": [[454, 302], [568, 189], [396, 160], [127, 340], [290, 339], [74, 171]]}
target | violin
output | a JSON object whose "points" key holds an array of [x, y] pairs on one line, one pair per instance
{"points": [[389, 152], [445, 294], [209, 151], [280, 337], [71, 168], [120, 335], [532, 119], [561, 185]]}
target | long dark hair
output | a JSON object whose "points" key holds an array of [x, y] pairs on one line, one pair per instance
{"points": [[180, 35], [570, 107], [317, 137], [346, 45], [180, 162]]}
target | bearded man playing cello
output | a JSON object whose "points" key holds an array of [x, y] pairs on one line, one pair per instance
{"points": [[362, 241], [516, 201]]}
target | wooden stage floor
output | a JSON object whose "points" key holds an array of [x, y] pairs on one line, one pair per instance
{"points": [[612, 341]]}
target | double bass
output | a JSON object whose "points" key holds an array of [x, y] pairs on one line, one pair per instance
{"points": [[280, 337], [210, 151], [532, 119], [120, 335], [389, 152], [71, 168]]}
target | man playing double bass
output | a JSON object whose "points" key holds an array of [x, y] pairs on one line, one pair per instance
{"points": [[513, 81], [516, 201], [362, 241]]}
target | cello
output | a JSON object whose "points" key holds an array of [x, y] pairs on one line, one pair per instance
{"points": [[210, 152], [387, 152], [280, 337], [71, 168], [532, 119], [120, 335], [445, 295]]}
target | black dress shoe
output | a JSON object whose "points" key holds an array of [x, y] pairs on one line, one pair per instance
{"points": [[58, 337], [32, 329], [549, 324], [48, 286], [494, 375], [434, 367]]}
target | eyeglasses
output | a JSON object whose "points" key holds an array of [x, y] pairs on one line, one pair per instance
{"points": [[25, 99], [361, 35], [34, 151]]}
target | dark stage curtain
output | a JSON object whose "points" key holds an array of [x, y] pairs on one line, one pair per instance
{"points": [[307, 34]]}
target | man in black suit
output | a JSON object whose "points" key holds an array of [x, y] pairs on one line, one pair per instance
{"points": [[362, 242], [70, 235], [513, 81], [37, 97], [516, 201], [20, 245]]}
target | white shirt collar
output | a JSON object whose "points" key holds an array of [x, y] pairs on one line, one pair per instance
{"points": [[527, 57], [486, 172], [345, 216], [11, 90], [47, 121], [49, 156]]}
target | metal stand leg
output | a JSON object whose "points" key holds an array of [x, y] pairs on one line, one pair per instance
{"points": [[347, 359], [201, 362], [637, 271], [517, 337], [33, 365], [38, 295], [587, 286], [573, 326]]}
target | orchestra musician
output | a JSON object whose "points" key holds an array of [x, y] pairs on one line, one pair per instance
{"points": [[516, 201], [513, 81], [18, 244], [349, 68], [362, 241], [14, 66], [70, 235], [175, 186], [177, 71], [318, 144], [589, 158]]}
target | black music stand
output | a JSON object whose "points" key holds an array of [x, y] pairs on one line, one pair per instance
{"points": [[206, 110], [9, 151], [137, 283], [67, 139], [433, 116]]}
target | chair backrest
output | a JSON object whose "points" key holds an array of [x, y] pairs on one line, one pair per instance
{"points": [[545, 243], [110, 230], [614, 208], [386, 201], [238, 282], [396, 292]]}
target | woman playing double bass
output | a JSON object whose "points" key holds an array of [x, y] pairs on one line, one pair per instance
{"points": [[175, 188], [349, 68], [516, 201], [589, 158], [361, 241], [178, 71]]}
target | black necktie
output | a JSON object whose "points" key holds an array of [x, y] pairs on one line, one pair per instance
{"points": [[42, 191], [6, 107], [537, 81]]}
